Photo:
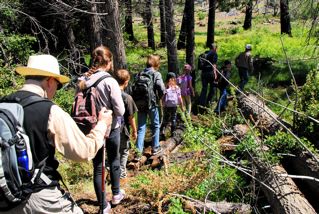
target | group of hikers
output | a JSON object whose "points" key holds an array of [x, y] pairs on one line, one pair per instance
{"points": [[50, 128]]}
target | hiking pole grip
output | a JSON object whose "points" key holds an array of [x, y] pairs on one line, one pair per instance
{"points": [[103, 178]]}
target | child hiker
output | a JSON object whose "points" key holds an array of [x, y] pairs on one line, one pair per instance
{"points": [[222, 85], [171, 100], [187, 90], [123, 78]]}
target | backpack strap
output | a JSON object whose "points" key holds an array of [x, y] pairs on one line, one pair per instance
{"points": [[100, 79]]}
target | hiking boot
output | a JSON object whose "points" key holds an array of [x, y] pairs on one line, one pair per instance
{"points": [[157, 150], [116, 199], [123, 175]]}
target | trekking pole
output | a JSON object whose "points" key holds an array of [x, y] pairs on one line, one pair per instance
{"points": [[103, 179]]}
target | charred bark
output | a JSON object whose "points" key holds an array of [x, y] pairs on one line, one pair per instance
{"points": [[190, 38], [285, 26], [211, 23], [149, 24], [163, 23], [171, 38], [248, 15], [129, 21]]}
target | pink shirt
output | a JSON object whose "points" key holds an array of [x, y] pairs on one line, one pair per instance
{"points": [[184, 82]]}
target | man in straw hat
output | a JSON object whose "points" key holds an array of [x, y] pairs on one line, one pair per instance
{"points": [[50, 128]]}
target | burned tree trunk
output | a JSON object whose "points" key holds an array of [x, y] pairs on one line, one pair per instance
{"points": [[190, 37], [249, 15], [163, 23], [149, 24], [171, 38], [211, 23], [129, 21], [182, 33], [285, 17]]}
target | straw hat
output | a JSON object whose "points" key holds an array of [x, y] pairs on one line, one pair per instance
{"points": [[43, 65]]}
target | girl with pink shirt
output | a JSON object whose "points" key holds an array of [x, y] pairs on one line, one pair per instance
{"points": [[187, 90]]}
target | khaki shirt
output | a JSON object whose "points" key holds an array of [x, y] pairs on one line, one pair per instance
{"points": [[65, 135]]}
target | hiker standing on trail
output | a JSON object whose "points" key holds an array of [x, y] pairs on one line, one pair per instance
{"points": [[222, 85], [171, 100], [123, 78], [147, 90], [50, 128], [110, 97], [187, 90], [244, 63], [208, 63]]}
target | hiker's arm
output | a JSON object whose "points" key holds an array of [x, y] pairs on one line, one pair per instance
{"points": [[191, 86], [132, 123], [69, 140], [159, 84], [250, 62], [116, 98]]}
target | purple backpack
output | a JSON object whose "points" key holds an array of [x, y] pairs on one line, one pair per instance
{"points": [[171, 98]]}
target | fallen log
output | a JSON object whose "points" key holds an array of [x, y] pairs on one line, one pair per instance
{"points": [[283, 194], [194, 205], [285, 197], [159, 159], [257, 111]]}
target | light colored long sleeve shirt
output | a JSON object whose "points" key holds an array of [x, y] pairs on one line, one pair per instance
{"points": [[65, 135]]}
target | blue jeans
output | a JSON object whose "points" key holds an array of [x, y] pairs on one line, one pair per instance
{"points": [[222, 102], [141, 128], [243, 74], [207, 79]]}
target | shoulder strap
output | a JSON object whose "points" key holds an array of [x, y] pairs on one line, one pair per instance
{"points": [[100, 79], [31, 100]]}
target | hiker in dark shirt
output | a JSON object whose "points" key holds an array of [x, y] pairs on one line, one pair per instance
{"points": [[222, 85], [209, 76]]}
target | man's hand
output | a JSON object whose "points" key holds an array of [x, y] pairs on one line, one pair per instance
{"points": [[105, 116], [134, 135]]}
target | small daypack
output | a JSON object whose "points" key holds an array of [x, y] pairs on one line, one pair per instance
{"points": [[18, 176], [143, 90], [85, 107], [171, 97]]}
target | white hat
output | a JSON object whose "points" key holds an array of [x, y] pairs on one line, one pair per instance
{"points": [[43, 65], [248, 46]]}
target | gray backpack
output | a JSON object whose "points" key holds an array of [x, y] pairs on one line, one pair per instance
{"points": [[17, 172]]}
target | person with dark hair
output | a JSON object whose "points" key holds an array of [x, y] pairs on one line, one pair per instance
{"points": [[110, 96], [244, 64], [222, 85], [209, 76], [51, 129]]}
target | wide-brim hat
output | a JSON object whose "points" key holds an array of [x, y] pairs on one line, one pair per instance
{"points": [[43, 65]]}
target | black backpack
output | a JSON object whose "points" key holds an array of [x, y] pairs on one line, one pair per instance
{"points": [[18, 175], [143, 90], [202, 61]]}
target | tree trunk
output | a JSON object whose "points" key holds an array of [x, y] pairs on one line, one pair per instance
{"points": [[95, 28], [285, 17], [182, 33], [259, 113], [190, 38], [163, 27], [248, 16], [129, 21], [149, 24], [171, 39], [211, 23], [114, 34]]}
